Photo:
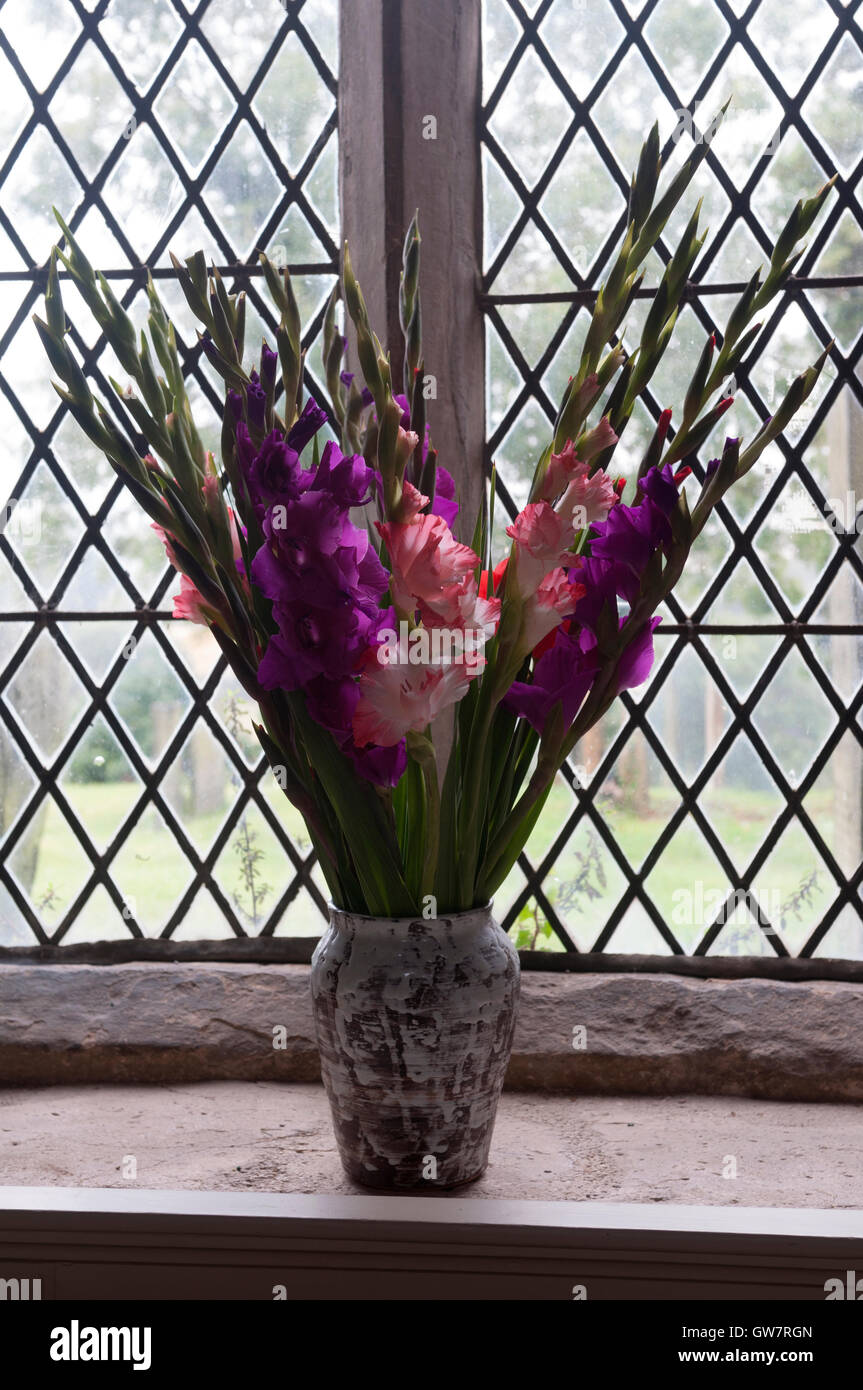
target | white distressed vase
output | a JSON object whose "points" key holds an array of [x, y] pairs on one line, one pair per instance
{"points": [[415, 1022]]}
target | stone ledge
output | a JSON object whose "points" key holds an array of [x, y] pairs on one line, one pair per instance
{"points": [[264, 1136], [664, 1034], [644, 1034]]}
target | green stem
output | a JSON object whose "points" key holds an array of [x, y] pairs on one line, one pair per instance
{"points": [[426, 758]]}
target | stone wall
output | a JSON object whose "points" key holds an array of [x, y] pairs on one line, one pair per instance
{"points": [[646, 1034]]}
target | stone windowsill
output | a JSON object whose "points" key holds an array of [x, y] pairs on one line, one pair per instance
{"points": [[644, 1034], [273, 1137]]}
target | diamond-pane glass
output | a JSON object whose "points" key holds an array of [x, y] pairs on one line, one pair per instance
{"points": [[719, 809], [133, 795]]}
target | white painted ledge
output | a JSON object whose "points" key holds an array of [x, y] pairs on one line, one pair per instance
{"points": [[90, 1244]]}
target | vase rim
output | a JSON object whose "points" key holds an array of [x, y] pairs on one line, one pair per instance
{"points": [[334, 910]]}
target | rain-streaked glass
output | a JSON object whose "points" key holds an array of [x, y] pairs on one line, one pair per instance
{"points": [[148, 135], [738, 721]]}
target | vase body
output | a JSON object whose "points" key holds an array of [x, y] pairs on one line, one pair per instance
{"points": [[415, 1021]]}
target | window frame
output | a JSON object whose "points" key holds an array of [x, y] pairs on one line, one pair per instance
{"points": [[388, 166]]}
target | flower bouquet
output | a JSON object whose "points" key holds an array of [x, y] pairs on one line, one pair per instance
{"points": [[360, 616]]}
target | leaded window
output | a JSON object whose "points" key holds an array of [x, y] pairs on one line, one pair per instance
{"points": [[718, 809]]}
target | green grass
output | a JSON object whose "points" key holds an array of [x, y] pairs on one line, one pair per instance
{"points": [[151, 871], [685, 883]]}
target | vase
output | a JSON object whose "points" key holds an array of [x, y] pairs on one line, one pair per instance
{"points": [[415, 1021]]}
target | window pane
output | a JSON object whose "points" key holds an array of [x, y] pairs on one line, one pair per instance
{"points": [[679, 810], [149, 135]]}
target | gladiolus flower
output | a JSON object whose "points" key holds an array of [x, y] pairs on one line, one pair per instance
{"points": [[395, 699], [347, 377], [637, 659], [461, 608], [542, 539], [562, 676], [554, 600], [631, 535], [190, 604], [256, 403], [444, 504], [412, 502], [497, 575], [588, 500], [347, 479], [405, 444], [167, 542], [561, 468], [425, 558], [602, 436]]}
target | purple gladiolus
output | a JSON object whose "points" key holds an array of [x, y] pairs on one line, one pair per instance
{"points": [[621, 549], [269, 367], [312, 641], [444, 503], [332, 702], [605, 582], [314, 553], [383, 766], [303, 429], [563, 675], [637, 660], [273, 474], [347, 377], [348, 479], [324, 580], [631, 535], [256, 403], [272, 470], [660, 485], [208, 347], [401, 400]]}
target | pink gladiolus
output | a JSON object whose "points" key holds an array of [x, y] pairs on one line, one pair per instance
{"points": [[425, 558], [153, 465], [459, 609], [412, 502], [235, 536], [190, 604], [588, 499], [561, 469], [405, 444], [542, 539], [395, 699], [554, 600], [168, 543], [602, 436], [211, 488]]}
